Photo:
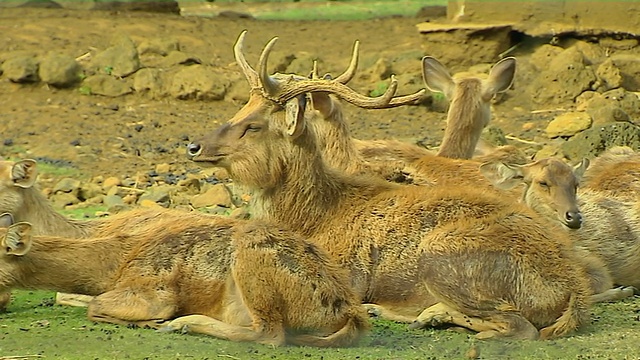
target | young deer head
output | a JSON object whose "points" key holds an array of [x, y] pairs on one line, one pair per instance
{"points": [[550, 186], [15, 177], [470, 108], [275, 110]]}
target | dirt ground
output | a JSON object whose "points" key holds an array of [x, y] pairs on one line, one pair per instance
{"points": [[102, 135]]}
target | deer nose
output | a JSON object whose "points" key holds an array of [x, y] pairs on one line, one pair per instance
{"points": [[193, 150], [573, 219]]}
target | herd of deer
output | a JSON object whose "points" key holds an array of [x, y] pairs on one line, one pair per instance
{"points": [[487, 243]]}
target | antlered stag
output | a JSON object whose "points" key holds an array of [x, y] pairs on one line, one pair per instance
{"points": [[232, 279], [474, 259]]}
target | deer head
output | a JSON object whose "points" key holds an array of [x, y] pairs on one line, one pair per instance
{"points": [[550, 186], [275, 111]]}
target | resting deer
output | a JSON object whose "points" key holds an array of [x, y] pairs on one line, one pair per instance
{"points": [[611, 229], [468, 114], [616, 172], [246, 281], [407, 248], [20, 196]]}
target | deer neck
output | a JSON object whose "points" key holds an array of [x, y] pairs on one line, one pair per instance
{"points": [[338, 149], [467, 117], [45, 220], [67, 265]]}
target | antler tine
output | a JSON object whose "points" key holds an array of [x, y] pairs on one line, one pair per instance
{"points": [[314, 71], [348, 74], [407, 99], [270, 86], [249, 73], [292, 88]]}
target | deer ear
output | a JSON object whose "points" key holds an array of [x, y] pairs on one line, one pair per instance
{"points": [[24, 173], [503, 176], [500, 77], [6, 220], [581, 167], [294, 110], [17, 241], [436, 77]]}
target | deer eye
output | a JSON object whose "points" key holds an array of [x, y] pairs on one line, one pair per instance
{"points": [[543, 184], [251, 128]]}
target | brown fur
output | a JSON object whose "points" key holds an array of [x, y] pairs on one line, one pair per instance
{"points": [[611, 229], [616, 172], [383, 232], [247, 281]]}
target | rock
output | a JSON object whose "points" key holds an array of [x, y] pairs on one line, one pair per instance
{"points": [[150, 204], [592, 53], [199, 82], [163, 168], [543, 55], [494, 136], [110, 182], [592, 142], [547, 151], [179, 58], [609, 75], [62, 199], [302, 64], [148, 80], [238, 91], [380, 70], [618, 44], [192, 183], [111, 201], [568, 124], [67, 185], [60, 70], [106, 85], [160, 46], [217, 195], [121, 59], [629, 66], [611, 106], [21, 69], [160, 194], [564, 79], [89, 190]]}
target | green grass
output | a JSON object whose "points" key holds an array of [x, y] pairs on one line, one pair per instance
{"points": [[322, 10], [33, 326], [89, 211]]}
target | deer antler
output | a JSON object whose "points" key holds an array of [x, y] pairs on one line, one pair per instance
{"points": [[348, 74], [249, 73], [281, 91]]}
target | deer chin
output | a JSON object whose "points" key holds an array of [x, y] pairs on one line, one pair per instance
{"points": [[211, 161]]}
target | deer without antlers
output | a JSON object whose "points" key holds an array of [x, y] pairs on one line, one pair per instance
{"points": [[406, 250], [232, 279]]}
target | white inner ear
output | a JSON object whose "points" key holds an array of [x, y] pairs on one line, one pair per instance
{"points": [[294, 113], [292, 109]]}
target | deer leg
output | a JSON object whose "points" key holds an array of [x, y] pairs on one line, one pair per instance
{"points": [[73, 299], [145, 308], [388, 314], [201, 324], [493, 325], [614, 294]]}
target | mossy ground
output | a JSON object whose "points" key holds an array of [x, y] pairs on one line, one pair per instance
{"points": [[34, 326]]}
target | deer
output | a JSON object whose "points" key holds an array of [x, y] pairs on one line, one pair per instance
{"points": [[232, 279], [410, 251], [611, 229], [21, 197], [616, 172]]}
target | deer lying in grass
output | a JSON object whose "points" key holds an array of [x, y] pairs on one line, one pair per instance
{"points": [[469, 258], [246, 281], [611, 229], [20, 196], [616, 172]]}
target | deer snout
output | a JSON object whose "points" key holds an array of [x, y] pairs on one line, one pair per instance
{"points": [[573, 219], [193, 150]]}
